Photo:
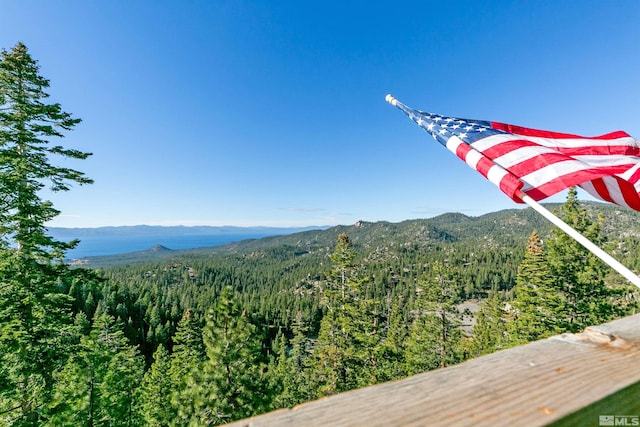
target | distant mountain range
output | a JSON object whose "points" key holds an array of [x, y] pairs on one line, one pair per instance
{"points": [[506, 229], [104, 241], [180, 230]]}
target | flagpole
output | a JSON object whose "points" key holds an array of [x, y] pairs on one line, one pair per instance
{"points": [[503, 174], [588, 244]]}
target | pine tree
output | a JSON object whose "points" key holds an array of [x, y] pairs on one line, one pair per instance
{"points": [[34, 309], [26, 125], [100, 383], [490, 329], [349, 331], [435, 337], [186, 362], [231, 384], [122, 384], [578, 274], [537, 305], [390, 351], [330, 364], [288, 372], [155, 395], [281, 374], [299, 359]]}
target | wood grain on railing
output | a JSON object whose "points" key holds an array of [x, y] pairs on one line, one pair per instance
{"points": [[561, 379]]}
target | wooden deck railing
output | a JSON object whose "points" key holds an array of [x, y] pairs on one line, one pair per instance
{"points": [[570, 379]]}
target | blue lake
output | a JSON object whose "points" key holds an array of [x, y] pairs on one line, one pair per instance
{"points": [[110, 245]]}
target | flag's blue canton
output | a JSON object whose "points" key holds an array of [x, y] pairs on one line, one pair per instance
{"points": [[442, 127]]}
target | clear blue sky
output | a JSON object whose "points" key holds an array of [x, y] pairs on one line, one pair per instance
{"points": [[273, 112]]}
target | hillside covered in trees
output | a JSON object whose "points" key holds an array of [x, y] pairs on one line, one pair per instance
{"points": [[204, 337]]}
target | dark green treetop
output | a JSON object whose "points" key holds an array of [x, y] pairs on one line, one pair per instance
{"points": [[27, 126], [538, 306]]}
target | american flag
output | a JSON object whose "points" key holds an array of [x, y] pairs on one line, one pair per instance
{"points": [[540, 163]]}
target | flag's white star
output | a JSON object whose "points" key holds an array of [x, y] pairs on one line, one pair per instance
{"points": [[430, 126], [463, 135], [442, 132]]}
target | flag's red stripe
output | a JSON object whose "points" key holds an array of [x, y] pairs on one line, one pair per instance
{"points": [[632, 200], [537, 194], [483, 166], [510, 185], [629, 193], [538, 162], [535, 163], [602, 190], [559, 182], [462, 150], [508, 146], [562, 182], [635, 177], [519, 130]]}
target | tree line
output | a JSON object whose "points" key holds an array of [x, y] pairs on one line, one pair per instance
{"points": [[211, 339]]}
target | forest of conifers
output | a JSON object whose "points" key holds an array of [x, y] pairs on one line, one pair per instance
{"points": [[206, 338]]}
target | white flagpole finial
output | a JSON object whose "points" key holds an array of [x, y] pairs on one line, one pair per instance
{"points": [[391, 100]]}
